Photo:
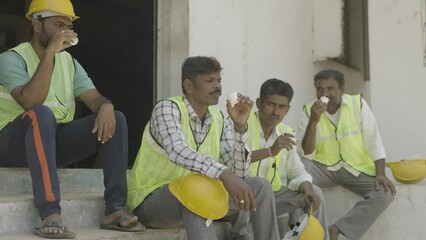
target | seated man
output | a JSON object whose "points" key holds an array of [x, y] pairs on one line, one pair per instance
{"points": [[39, 82], [186, 134], [274, 154], [341, 145]]}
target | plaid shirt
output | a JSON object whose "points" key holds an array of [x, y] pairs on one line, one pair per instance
{"points": [[166, 130]]}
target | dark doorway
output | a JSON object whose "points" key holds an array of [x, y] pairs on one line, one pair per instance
{"points": [[116, 48]]}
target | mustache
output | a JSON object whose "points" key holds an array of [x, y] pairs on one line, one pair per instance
{"points": [[274, 116]]}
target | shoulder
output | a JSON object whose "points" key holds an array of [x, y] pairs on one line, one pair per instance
{"points": [[165, 103], [10, 56], [11, 63], [165, 107]]}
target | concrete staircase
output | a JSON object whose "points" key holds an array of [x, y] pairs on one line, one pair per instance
{"points": [[82, 207]]}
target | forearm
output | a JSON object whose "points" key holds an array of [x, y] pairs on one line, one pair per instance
{"points": [[240, 128], [241, 155], [309, 139], [37, 89], [260, 154], [380, 167], [96, 105], [306, 187]]}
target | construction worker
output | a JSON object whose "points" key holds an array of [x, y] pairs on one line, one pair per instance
{"points": [[39, 83], [274, 154], [186, 134], [340, 144]]}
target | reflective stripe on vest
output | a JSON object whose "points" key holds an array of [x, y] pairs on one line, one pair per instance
{"points": [[60, 98], [344, 142], [254, 133], [153, 168]]}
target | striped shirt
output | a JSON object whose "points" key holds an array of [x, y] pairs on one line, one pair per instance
{"points": [[166, 130]]}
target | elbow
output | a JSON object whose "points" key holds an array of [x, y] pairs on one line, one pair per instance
{"points": [[30, 104]]}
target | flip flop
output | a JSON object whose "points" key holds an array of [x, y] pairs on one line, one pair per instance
{"points": [[65, 234], [115, 225]]}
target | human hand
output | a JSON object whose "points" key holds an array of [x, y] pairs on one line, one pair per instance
{"points": [[239, 191], [312, 200], [105, 123], [240, 112], [285, 140], [317, 109], [387, 184], [62, 40]]}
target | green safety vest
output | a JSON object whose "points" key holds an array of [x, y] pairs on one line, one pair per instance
{"points": [[254, 133], [345, 141], [153, 168], [60, 98]]}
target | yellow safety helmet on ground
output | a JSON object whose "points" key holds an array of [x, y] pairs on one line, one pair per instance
{"points": [[204, 196], [408, 171], [62, 7], [307, 228]]}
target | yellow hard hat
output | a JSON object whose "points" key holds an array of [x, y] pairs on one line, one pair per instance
{"points": [[313, 230], [306, 228], [62, 7], [202, 195], [408, 171]]}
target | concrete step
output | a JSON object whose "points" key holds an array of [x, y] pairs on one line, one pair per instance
{"points": [[94, 233], [18, 181], [82, 207], [18, 213]]}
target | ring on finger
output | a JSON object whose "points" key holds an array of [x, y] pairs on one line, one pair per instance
{"points": [[241, 201]]}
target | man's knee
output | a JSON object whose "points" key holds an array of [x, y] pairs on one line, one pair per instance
{"points": [[42, 113], [120, 118], [386, 198], [382, 198], [318, 192], [259, 185]]}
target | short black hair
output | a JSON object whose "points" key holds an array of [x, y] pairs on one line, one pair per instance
{"points": [[330, 73], [276, 86], [199, 65]]}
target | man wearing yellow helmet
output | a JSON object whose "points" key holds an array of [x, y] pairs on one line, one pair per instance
{"points": [[186, 134], [275, 156], [39, 82], [341, 145]]}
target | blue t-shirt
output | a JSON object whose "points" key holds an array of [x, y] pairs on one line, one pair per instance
{"points": [[13, 73]]}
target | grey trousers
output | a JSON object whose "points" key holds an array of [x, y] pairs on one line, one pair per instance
{"points": [[287, 201], [162, 210], [359, 219]]}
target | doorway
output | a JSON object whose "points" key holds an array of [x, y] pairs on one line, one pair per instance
{"points": [[117, 49]]}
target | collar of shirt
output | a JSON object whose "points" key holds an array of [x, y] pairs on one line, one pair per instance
{"points": [[266, 142], [193, 115]]}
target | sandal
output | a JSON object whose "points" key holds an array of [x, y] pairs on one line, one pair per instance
{"points": [[116, 224], [65, 234]]}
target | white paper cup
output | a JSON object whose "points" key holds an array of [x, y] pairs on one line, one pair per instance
{"points": [[324, 99], [74, 41], [233, 98]]}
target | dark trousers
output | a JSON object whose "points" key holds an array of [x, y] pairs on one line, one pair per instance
{"points": [[35, 140]]}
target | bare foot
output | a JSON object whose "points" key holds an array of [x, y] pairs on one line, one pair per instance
{"points": [[126, 222], [334, 232], [51, 230]]}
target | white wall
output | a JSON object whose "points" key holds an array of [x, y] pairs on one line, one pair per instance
{"points": [[254, 41], [398, 76]]}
